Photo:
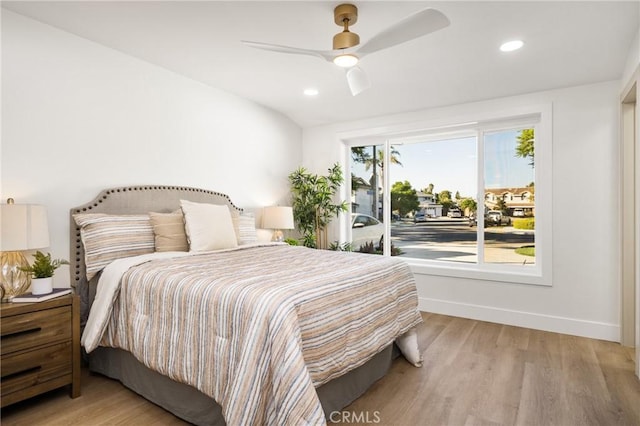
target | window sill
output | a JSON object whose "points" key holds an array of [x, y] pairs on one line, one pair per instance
{"points": [[506, 274]]}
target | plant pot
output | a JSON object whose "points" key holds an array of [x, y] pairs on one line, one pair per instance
{"points": [[41, 285]]}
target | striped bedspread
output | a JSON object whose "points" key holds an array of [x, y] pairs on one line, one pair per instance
{"points": [[258, 328]]}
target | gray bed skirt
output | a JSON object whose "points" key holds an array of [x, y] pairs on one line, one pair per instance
{"points": [[195, 407]]}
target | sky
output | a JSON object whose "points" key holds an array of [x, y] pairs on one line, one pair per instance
{"points": [[451, 164], [502, 167]]}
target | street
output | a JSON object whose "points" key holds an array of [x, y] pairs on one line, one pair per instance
{"points": [[454, 240]]}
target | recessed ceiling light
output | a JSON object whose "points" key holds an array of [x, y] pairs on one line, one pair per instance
{"points": [[512, 45], [311, 92]]}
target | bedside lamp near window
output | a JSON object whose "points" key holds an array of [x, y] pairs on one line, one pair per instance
{"points": [[277, 218], [22, 227]]}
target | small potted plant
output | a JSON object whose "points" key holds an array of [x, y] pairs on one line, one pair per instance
{"points": [[42, 271]]}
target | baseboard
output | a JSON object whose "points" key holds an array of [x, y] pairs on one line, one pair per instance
{"points": [[572, 326]]}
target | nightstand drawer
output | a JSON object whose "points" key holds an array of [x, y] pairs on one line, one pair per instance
{"points": [[34, 329], [33, 368]]}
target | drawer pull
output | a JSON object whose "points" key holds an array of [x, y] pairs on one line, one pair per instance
{"points": [[21, 373], [22, 333]]}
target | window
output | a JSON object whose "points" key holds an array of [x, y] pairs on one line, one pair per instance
{"points": [[445, 172], [427, 187], [508, 163], [367, 181]]}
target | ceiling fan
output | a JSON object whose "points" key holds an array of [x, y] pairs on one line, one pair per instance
{"points": [[347, 50]]}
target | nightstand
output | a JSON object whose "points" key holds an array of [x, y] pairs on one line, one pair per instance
{"points": [[40, 348]]}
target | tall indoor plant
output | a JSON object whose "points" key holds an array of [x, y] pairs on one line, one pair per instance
{"points": [[313, 205]]}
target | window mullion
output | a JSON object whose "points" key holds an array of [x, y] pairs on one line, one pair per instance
{"points": [[386, 197], [480, 196]]}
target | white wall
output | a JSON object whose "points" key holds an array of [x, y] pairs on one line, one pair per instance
{"points": [[78, 117], [633, 59], [584, 298]]}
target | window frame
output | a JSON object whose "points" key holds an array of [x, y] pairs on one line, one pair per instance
{"points": [[538, 117]]}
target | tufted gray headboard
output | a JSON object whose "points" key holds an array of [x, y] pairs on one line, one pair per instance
{"points": [[132, 200]]}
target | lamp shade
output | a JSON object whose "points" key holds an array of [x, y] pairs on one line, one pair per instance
{"points": [[23, 227], [277, 217]]}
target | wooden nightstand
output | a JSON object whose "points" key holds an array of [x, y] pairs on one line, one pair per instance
{"points": [[40, 348]]}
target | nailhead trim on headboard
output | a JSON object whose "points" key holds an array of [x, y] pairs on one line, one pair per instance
{"points": [[77, 253], [107, 192]]}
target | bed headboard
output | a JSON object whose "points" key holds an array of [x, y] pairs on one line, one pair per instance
{"points": [[134, 200]]}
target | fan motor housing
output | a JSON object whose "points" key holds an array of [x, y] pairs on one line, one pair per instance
{"points": [[345, 40]]}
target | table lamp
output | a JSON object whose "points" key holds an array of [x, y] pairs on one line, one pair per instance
{"points": [[22, 227], [277, 218]]}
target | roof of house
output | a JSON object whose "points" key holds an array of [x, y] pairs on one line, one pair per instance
{"points": [[360, 182], [500, 191]]}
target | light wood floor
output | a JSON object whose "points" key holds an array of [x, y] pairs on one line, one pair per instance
{"points": [[475, 373]]}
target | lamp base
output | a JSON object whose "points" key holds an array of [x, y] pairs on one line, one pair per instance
{"points": [[278, 236], [13, 280]]}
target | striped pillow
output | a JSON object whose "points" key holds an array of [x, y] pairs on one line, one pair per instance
{"points": [[245, 227], [109, 237]]}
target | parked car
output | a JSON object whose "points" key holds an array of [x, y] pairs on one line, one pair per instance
{"points": [[473, 221], [454, 213], [495, 217], [518, 212], [365, 228], [420, 217]]}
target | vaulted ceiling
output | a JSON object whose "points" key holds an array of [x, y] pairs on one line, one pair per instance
{"points": [[566, 44]]}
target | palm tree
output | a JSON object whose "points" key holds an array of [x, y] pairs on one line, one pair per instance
{"points": [[430, 189], [376, 162]]}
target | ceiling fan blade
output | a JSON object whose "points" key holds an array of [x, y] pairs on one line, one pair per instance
{"points": [[414, 26], [358, 80], [326, 55]]}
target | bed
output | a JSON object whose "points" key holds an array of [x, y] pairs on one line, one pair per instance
{"points": [[242, 333]]}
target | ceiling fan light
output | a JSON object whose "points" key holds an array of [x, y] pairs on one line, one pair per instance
{"points": [[345, 61]]}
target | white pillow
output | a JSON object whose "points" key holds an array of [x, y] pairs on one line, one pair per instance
{"points": [[264, 235], [408, 344], [208, 226]]}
